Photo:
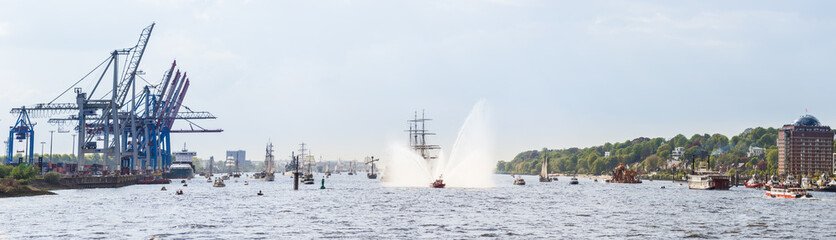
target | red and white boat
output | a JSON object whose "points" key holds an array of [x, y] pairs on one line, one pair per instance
{"points": [[438, 184], [788, 193], [753, 183]]}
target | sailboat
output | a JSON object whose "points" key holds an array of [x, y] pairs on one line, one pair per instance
{"points": [[544, 172], [351, 170], [269, 162], [372, 174], [327, 169]]}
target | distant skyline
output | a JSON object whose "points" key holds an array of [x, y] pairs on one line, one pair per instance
{"points": [[345, 76]]}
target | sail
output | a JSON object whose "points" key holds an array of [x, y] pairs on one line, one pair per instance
{"points": [[544, 172]]}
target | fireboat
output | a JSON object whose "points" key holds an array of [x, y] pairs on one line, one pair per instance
{"points": [[439, 183]]}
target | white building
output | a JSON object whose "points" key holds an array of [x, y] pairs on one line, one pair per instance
{"points": [[677, 153], [607, 154], [755, 151]]}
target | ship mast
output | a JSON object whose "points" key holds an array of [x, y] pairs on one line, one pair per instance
{"points": [[418, 136]]}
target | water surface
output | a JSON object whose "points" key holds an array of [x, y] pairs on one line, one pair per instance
{"points": [[357, 207]]}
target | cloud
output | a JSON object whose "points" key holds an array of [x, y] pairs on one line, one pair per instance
{"points": [[5, 29], [704, 28]]}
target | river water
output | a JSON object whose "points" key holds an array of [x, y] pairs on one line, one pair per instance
{"points": [[357, 207]]}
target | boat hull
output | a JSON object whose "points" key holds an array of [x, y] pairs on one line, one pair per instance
{"points": [[179, 173]]}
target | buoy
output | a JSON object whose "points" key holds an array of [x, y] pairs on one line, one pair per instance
{"points": [[323, 184]]}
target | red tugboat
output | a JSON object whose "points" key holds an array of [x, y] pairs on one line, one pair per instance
{"points": [[439, 183], [753, 183]]}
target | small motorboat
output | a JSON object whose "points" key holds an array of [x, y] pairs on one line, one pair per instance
{"points": [[185, 184], [519, 181], [163, 189], [596, 180], [259, 193], [208, 180], [183, 181], [179, 192], [246, 183], [219, 183], [663, 187], [574, 180]]}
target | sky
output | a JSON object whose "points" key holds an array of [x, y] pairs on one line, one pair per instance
{"points": [[344, 76]]}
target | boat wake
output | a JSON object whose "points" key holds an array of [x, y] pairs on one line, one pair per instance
{"points": [[470, 164]]}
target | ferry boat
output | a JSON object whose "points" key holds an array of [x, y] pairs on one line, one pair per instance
{"points": [[788, 193], [182, 166]]}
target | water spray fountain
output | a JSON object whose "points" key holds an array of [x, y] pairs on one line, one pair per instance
{"points": [[469, 165]]}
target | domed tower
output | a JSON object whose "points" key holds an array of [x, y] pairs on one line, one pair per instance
{"points": [[805, 147]]}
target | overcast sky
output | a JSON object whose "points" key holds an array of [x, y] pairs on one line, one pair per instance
{"points": [[344, 76]]}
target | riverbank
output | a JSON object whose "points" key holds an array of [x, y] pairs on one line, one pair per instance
{"points": [[13, 188]]}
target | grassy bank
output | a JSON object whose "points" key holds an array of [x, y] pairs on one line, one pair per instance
{"points": [[15, 188]]}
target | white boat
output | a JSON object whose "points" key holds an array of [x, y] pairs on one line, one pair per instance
{"points": [[788, 193]]}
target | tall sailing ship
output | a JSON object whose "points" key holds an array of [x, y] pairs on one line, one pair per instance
{"points": [[418, 141], [269, 163]]}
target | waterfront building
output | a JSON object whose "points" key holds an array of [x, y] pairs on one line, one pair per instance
{"points": [[755, 151], [677, 153], [805, 147]]}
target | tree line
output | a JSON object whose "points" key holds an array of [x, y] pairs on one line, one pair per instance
{"points": [[652, 154]]}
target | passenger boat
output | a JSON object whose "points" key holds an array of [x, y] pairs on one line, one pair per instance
{"points": [[704, 179], [709, 182], [788, 193], [307, 179]]}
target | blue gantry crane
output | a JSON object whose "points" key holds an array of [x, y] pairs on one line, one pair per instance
{"points": [[24, 129], [135, 128]]}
